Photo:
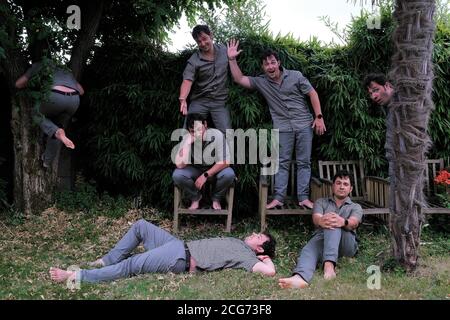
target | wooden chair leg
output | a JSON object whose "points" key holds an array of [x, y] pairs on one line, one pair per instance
{"points": [[262, 206], [176, 206], [230, 208]]}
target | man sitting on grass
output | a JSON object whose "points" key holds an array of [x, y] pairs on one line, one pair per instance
{"points": [[165, 253], [336, 219]]}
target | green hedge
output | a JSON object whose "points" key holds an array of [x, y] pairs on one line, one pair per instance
{"points": [[132, 107]]}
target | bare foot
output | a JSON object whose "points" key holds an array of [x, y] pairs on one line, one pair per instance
{"points": [[97, 263], [306, 203], [273, 204], [61, 135], [195, 204], [293, 282], [328, 271], [216, 205], [60, 275]]}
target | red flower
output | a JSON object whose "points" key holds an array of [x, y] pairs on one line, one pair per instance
{"points": [[442, 178]]}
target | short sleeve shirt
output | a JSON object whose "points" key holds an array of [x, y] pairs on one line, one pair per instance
{"points": [[287, 101], [209, 78], [348, 208], [61, 77], [221, 253]]}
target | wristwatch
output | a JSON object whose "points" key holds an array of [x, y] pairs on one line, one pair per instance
{"points": [[319, 116], [205, 174]]}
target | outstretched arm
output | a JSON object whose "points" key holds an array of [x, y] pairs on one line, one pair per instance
{"points": [[266, 266], [22, 82], [238, 77], [184, 92]]}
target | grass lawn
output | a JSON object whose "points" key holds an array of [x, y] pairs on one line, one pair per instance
{"points": [[57, 238]]}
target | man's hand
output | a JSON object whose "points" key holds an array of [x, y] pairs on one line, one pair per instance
{"points": [[183, 106], [331, 220], [263, 257], [319, 126], [200, 182], [232, 49]]}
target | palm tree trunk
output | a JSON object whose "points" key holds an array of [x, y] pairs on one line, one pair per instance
{"points": [[407, 140]]}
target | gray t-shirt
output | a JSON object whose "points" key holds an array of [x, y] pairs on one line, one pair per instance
{"points": [[221, 253], [210, 78], [347, 210], [287, 101], [61, 77]]}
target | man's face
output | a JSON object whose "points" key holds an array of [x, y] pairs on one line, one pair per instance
{"points": [[380, 94], [256, 240], [198, 130], [342, 188], [204, 42], [271, 67]]}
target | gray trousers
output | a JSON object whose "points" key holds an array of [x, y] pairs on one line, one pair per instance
{"points": [[325, 245], [185, 179], [220, 114], [302, 142], [164, 253], [54, 114]]}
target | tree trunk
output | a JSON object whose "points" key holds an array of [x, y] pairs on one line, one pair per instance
{"points": [[407, 140], [33, 185]]}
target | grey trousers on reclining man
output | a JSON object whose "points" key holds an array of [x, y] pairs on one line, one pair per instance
{"points": [[164, 253]]}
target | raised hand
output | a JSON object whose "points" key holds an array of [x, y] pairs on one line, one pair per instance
{"points": [[232, 49]]}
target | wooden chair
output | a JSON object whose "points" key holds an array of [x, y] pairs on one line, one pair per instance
{"points": [[180, 209]]}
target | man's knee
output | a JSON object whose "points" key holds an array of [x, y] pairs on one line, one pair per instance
{"points": [[178, 176], [227, 175]]}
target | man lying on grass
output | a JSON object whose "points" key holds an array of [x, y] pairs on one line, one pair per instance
{"points": [[165, 253]]}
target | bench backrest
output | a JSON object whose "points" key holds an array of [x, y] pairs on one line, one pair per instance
{"points": [[327, 169], [432, 168]]}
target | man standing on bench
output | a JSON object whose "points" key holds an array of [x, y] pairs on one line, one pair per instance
{"points": [[336, 219], [286, 93]]}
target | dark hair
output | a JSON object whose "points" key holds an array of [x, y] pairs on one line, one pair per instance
{"points": [[343, 174], [267, 53], [374, 77], [192, 117], [199, 29], [269, 245]]}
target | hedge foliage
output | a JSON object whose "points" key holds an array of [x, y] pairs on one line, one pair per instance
{"points": [[132, 107]]}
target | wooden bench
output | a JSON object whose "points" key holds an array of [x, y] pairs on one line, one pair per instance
{"points": [[290, 207], [376, 203], [180, 209], [372, 193]]}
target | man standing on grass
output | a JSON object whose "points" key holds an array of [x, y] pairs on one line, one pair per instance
{"points": [[166, 253], [336, 219]]}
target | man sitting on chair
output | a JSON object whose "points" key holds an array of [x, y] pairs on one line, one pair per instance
{"points": [[203, 154], [336, 219]]}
